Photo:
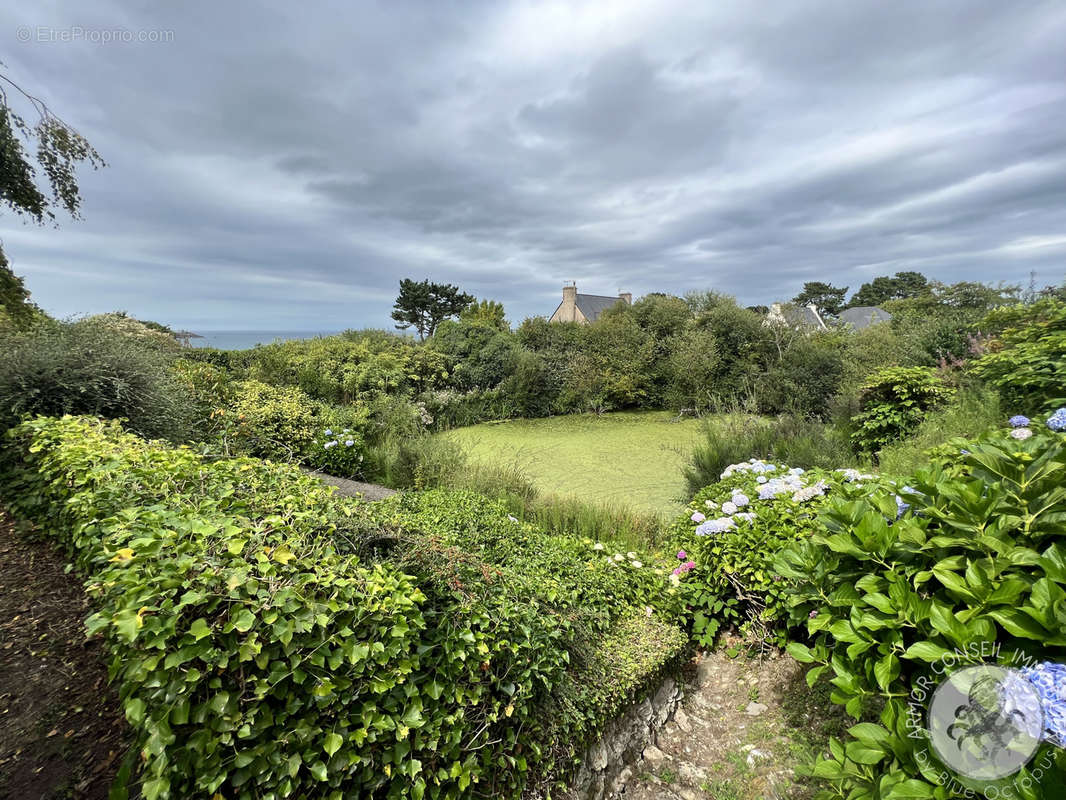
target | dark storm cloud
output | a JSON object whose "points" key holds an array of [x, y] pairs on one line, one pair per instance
{"points": [[279, 167]]}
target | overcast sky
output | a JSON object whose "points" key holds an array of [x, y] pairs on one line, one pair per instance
{"points": [[283, 165]]}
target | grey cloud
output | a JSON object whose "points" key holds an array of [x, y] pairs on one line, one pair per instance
{"points": [[286, 168]]}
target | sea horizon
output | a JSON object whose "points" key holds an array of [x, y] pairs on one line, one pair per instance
{"points": [[247, 339]]}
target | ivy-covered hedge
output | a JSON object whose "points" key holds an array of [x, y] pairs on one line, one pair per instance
{"points": [[272, 639], [969, 566]]}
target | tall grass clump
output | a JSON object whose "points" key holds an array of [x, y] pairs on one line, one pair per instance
{"points": [[566, 516], [792, 440]]}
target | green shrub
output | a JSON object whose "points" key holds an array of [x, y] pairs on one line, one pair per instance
{"points": [[971, 412], [1025, 360], [337, 451], [895, 593], [804, 379], [211, 392], [255, 657], [349, 368], [86, 367], [793, 440], [234, 361], [270, 421], [894, 402]]}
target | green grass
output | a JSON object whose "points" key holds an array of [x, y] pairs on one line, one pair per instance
{"points": [[622, 460]]}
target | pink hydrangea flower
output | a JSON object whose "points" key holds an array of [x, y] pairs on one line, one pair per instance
{"points": [[681, 555]]}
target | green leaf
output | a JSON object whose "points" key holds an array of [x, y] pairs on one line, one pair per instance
{"points": [[926, 651], [135, 710], [870, 734], [886, 670], [1018, 624], [199, 629], [244, 621], [332, 743], [910, 789], [798, 651]]}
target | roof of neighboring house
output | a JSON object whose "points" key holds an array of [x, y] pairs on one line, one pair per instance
{"points": [[797, 316], [592, 305], [859, 317]]}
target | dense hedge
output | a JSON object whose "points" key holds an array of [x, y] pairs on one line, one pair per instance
{"points": [[271, 639]]}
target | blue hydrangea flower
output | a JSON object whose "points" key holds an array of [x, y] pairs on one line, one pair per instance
{"points": [[1057, 421], [761, 479], [901, 507], [328, 432], [740, 499], [1049, 680], [1018, 421], [349, 443], [720, 525], [769, 491], [328, 445]]}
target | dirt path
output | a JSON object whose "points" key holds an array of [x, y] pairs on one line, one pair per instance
{"points": [[61, 732], [742, 733]]}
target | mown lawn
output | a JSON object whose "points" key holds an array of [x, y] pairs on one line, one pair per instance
{"points": [[633, 459]]}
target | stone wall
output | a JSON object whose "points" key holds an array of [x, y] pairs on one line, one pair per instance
{"points": [[610, 762]]}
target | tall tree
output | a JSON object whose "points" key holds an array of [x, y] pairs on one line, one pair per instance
{"points": [[901, 286], [487, 313], [423, 305], [60, 149], [826, 298]]}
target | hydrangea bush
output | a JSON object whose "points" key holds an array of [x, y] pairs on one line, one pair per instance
{"points": [[731, 532], [900, 587], [337, 452]]}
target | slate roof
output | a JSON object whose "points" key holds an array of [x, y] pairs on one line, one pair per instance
{"points": [[592, 305], [860, 317], [801, 316]]}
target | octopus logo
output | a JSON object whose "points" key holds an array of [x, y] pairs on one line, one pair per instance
{"points": [[985, 722]]}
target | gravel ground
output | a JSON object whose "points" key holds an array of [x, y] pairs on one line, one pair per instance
{"points": [[367, 491], [746, 730]]}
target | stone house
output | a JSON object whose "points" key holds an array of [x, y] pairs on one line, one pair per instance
{"points": [[585, 308]]}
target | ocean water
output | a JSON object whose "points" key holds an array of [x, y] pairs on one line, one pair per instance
{"points": [[245, 340]]}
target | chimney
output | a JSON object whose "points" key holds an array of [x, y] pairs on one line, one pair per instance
{"points": [[568, 311], [627, 296]]}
